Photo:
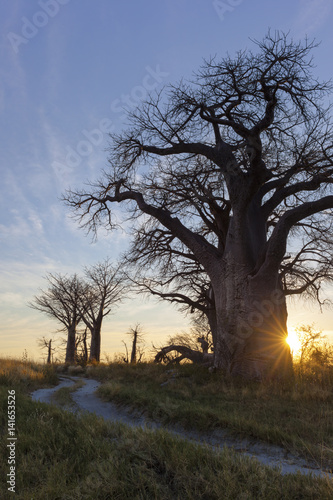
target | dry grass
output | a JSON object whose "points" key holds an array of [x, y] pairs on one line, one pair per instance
{"points": [[25, 374]]}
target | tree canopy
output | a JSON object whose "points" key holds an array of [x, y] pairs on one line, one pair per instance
{"points": [[231, 167]]}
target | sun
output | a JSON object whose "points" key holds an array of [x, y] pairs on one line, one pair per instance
{"points": [[293, 341]]}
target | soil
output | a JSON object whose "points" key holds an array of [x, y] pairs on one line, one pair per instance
{"points": [[85, 399]]}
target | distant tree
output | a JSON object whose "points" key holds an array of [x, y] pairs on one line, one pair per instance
{"points": [[234, 165], [61, 301], [314, 346], [104, 288], [46, 344], [137, 353], [81, 347]]}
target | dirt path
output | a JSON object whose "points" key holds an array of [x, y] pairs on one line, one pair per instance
{"points": [[85, 399]]}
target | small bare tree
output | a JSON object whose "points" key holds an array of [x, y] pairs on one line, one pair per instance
{"points": [[104, 288], [314, 346], [47, 344], [137, 352], [81, 354], [61, 301]]}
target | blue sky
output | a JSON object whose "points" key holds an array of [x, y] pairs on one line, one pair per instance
{"points": [[67, 68]]}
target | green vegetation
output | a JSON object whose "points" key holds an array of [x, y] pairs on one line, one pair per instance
{"points": [[298, 416], [66, 456], [63, 396]]}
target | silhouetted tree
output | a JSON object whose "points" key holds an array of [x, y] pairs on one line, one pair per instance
{"points": [[240, 162], [46, 344], [313, 346], [61, 301], [104, 288], [137, 353], [158, 264], [81, 349]]}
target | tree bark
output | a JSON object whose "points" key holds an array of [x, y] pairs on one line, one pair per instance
{"points": [[95, 345], [70, 349], [49, 351], [134, 344], [212, 321], [85, 348], [251, 318]]}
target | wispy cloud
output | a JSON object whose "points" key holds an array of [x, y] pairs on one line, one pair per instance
{"points": [[11, 298], [22, 222]]}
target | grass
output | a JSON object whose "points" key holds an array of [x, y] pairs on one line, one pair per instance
{"points": [[63, 396], [65, 456], [298, 417], [26, 375]]}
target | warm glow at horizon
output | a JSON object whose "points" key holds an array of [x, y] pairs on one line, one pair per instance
{"points": [[293, 341]]}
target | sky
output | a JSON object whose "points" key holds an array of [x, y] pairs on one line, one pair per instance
{"points": [[67, 69]]}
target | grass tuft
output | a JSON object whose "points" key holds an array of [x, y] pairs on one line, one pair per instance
{"points": [[63, 396]]}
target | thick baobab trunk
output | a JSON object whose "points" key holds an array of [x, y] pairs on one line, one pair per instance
{"points": [[251, 311], [251, 326], [70, 349], [211, 316], [95, 345]]}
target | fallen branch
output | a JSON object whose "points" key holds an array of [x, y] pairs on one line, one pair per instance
{"points": [[198, 357]]}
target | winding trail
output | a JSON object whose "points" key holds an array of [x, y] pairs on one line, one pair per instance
{"points": [[85, 399]]}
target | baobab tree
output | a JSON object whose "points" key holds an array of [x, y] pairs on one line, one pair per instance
{"points": [[61, 301], [260, 121], [104, 288], [160, 266]]}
